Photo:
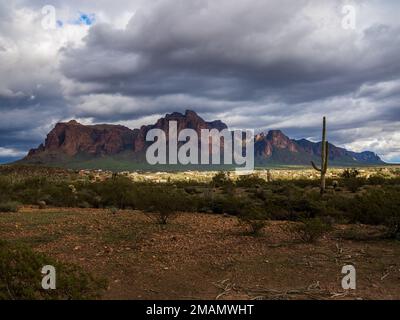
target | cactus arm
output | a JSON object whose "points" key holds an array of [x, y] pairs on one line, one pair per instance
{"points": [[315, 167]]}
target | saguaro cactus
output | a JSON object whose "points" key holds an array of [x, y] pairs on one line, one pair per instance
{"points": [[324, 157]]}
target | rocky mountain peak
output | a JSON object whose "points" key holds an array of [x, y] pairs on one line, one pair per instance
{"points": [[71, 139]]}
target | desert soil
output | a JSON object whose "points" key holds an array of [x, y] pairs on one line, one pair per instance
{"points": [[198, 256]]}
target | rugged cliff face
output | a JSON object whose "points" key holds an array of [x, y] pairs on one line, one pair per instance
{"points": [[188, 120], [72, 139], [267, 143]]}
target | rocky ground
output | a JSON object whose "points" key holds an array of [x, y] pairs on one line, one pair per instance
{"points": [[199, 256]]}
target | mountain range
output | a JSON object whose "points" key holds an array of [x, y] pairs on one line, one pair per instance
{"points": [[104, 146]]}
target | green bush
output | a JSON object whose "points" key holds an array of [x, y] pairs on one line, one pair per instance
{"points": [[163, 205], [227, 204], [310, 230], [119, 192], [289, 202], [20, 277], [221, 179], [377, 207], [376, 180], [249, 181], [354, 184], [9, 206], [392, 224], [254, 218]]}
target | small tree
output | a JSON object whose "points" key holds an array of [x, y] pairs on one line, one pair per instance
{"points": [[162, 206]]}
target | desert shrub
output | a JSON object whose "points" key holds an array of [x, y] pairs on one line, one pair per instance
{"points": [[393, 181], [357, 232], [277, 201], [294, 204], [371, 208], [280, 214], [376, 180], [9, 206], [162, 206], [221, 179], [350, 173], [310, 230], [84, 205], [378, 207], [254, 218], [118, 191], [339, 202], [249, 181], [303, 183], [335, 207], [229, 189], [354, 184], [60, 195], [217, 205], [305, 206], [227, 204], [20, 276], [261, 194], [392, 224], [192, 190], [88, 196]]}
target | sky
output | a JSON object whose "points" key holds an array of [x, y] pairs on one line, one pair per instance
{"points": [[260, 64]]}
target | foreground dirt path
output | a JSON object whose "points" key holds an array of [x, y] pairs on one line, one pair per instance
{"points": [[201, 256]]}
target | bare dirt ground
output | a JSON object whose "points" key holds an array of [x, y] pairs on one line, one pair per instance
{"points": [[198, 256]]}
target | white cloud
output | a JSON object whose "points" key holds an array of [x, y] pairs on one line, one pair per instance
{"points": [[5, 152], [264, 64]]}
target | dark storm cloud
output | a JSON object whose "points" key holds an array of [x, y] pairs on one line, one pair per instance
{"points": [[172, 50], [255, 64], [267, 55]]}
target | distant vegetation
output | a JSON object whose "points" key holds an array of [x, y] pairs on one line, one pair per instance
{"points": [[250, 201], [348, 198]]}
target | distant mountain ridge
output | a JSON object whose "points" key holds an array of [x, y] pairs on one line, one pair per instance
{"points": [[72, 142]]}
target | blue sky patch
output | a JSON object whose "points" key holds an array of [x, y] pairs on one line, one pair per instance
{"points": [[86, 19]]}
